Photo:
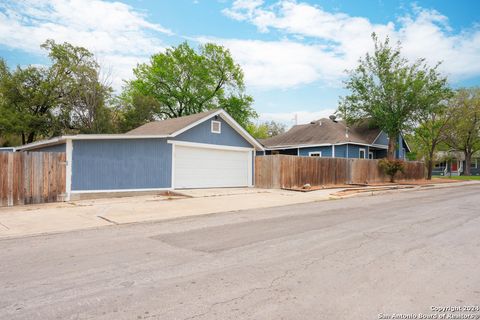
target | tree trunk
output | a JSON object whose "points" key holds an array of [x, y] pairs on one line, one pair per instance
{"points": [[429, 169], [468, 164], [31, 137], [392, 144], [430, 162]]}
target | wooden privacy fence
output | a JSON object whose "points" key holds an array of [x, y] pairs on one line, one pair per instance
{"points": [[27, 178], [282, 171]]}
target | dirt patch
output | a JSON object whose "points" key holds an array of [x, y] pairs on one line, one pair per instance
{"points": [[407, 183], [352, 191], [316, 188]]}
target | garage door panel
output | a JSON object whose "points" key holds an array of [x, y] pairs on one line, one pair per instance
{"points": [[209, 168]]}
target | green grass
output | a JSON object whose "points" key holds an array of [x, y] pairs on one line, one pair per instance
{"points": [[459, 177]]}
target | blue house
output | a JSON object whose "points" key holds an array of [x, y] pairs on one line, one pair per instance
{"points": [[204, 150], [333, 139]]}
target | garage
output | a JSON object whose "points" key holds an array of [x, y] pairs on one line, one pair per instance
{"points": [[203, 150], [207, 167]]}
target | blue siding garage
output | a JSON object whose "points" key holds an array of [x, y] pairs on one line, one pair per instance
{"points": [[208, 149], [121, 164]]}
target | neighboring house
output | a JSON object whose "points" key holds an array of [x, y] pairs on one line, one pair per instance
{"points": [[7, 149], [333, 139], [204, 150], [453, 163]]}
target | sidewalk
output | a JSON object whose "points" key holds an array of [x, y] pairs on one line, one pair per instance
{"points": [[84, 214]]}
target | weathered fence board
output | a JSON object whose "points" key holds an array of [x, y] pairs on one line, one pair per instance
{"points": [[27, 178], [283, 171]]}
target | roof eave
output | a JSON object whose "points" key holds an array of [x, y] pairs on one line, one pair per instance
{"points": [[61, 139]]}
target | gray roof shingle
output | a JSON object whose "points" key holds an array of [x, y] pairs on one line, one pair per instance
{"points": [[323, 131], [169, 126]]}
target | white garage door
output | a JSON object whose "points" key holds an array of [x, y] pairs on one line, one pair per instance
{"points": [[211, 168]]}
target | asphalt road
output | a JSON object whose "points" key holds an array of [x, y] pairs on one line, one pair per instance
{"points": [[356, 258]]}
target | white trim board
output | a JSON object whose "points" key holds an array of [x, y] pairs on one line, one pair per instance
{"points": [[213, 123], [299, 146], [378, 146], [208, 146], [68, 169], [251, 168], [63, 139], [364, 153], [172, 181], [121, 190]]}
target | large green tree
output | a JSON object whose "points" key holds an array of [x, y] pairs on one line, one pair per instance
{"points": [[82, 106], [433, 119], [430, 134], [29, 96], [390, 91], [266, 129], [65, 97], [463, 132], [182, 81]]}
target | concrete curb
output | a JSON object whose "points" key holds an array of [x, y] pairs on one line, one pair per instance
{"points": [[389, 190], [333, 196]]}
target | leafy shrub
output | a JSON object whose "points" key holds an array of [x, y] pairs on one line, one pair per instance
{"points": [[391, 167]]}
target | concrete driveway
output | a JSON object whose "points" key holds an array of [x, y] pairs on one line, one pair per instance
{"points": [[359, 258], [82, 214]]}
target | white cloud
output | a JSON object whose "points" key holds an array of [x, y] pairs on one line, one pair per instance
{"points": [[119, 36], [322, 44], [282, 64]]}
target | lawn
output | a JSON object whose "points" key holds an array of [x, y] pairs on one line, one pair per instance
{"points": [[458, 177]]}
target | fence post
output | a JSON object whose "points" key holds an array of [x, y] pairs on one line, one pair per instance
{"points": [[276, 172], [349, 170], [10, 179]]}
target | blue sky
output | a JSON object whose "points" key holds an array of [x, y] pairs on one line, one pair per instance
{"points": [[293, 53]]}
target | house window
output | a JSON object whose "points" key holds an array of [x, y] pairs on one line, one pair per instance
{"points": [[275, 152], [440, 165], [361, 153], [315, 154], [474, 163], [216, 126], [370, 155]]}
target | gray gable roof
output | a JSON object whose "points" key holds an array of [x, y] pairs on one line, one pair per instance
{"points": [[323, 131], [169, 126], [156, 129]]}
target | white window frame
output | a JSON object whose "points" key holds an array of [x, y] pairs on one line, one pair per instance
{"points": [[314, 154], [474, 164], [219, 126], [370, 153], [364, 153]]}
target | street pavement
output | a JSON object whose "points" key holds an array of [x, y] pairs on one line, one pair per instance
{"points": [[359, 258]]}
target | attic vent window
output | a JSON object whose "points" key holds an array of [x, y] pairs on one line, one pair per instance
{"points": [[216, 126]]}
